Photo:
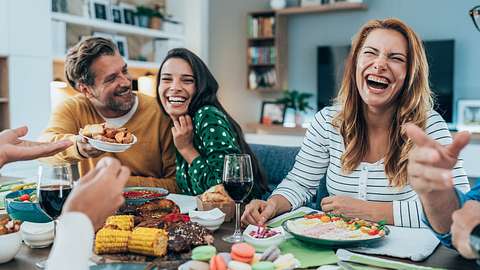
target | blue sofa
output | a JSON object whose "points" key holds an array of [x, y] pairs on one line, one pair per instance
{"points": [[277, 161]]}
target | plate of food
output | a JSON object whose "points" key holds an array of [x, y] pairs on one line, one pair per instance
{"points": [[108, 139], [141, 195], [335, 230]]}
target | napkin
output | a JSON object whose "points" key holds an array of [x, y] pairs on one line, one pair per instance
{"points": [[309, 255], [345, 255], [185, 202], [415, 244]]}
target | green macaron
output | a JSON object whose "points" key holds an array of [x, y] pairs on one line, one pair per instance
{"points": [[203, 253], [263, 266]]}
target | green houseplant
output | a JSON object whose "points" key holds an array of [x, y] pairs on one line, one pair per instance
{"points": [[297, 101], [144, 14]]}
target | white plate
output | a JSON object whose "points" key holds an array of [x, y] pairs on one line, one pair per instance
{"points": [[110, 147], [185, 202]]}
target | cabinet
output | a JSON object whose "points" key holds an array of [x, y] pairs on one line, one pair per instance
{"points": [[267, 43]]}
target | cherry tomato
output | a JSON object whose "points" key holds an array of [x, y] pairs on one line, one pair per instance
{"points": [[373, 232]]}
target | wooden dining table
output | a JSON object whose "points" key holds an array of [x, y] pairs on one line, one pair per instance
{"points": [[442, 257]]}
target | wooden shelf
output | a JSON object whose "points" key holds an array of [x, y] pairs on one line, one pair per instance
{"points": [[4, 93], [261, 38], [261, 65], [340, 6], [114, 27], [3, 100]]}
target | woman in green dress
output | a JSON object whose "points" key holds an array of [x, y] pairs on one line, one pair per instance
{"points": [[203, 132]]}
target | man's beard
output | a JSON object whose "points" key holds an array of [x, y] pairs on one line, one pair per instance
{"points": [[120, 106]]}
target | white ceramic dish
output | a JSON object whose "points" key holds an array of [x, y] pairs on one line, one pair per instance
{"points": [[9, 246], [260, 244], [212, 219], [37, 235], [110, 147]]}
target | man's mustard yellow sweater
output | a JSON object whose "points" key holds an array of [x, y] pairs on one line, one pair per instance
{"points": [[151, 160]]}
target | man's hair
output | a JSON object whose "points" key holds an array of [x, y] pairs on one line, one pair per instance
{"points": [[81, 56]]}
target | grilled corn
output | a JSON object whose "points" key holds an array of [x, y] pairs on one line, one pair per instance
{"points": [[120, 222], [111, 241], [148, 241]]}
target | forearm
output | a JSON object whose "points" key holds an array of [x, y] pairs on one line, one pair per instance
{"points": [[70, 155], [281, 203], [189, 154], [438, 207], [378, 211]]}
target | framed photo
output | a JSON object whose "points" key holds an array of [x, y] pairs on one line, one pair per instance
{"points": [[116, 14], [100, 9], [128, 13], [272, 113], [122, 45], [469, 115]]}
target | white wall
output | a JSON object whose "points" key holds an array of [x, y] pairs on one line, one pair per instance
{"points": [[29, 62], [194, 14]]}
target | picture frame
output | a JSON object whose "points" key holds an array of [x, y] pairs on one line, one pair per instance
{"points": [[272, 113], [468, 116], [128, 13], [122, 45], [116, 14], [100, 9]]}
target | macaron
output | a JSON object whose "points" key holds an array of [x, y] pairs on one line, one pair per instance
{"points": [[286, 262], [203, 253], [234, 265], [242, 252], [270, 254], [263, 266], [218, 263], [194, 265], [226, 257]]}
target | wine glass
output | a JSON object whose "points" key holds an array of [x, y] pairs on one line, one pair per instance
{"points": [[55, 182], [238, 182]]}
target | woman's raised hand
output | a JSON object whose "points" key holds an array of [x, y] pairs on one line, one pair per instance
{"points": [[182, 132], [257, 212]]}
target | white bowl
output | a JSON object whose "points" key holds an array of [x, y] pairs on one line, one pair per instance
{"points": [[261, 244], [9, 246], [37, 235], [212, 219], [110, 147]]}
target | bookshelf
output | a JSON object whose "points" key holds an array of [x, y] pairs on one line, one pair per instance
{"points": [[4, 108], [267, 43]]}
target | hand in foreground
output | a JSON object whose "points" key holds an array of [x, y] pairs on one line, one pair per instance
{"points": [[464, 220], [344, 205], [87, 150], [182, 132], [100, 192], [258, 212], [13, 148], [429, 163]]}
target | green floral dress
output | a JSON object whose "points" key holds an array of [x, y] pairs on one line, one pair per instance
{"points": [[213, 138]]}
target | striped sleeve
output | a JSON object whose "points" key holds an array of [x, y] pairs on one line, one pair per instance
{"points": [[311, 163], [408, 213]]}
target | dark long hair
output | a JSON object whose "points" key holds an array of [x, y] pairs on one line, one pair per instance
{"points": [[206, 94]]}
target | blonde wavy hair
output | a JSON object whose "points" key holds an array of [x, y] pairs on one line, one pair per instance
{"points": [[413, 103]]}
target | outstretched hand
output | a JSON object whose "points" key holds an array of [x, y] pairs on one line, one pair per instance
{"points": [[13, 148], [100, 192], [430, 163]]}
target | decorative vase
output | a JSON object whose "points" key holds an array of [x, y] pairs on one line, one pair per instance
{"points": [[143, 21], [156, 23], [298, 118], [278, 4]]}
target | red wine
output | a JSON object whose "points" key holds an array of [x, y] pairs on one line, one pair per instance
{"points": [[52, 198], [237, 190]]}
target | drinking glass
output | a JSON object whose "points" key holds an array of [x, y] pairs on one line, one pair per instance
{"points": [[238, 182], [55, 182]]}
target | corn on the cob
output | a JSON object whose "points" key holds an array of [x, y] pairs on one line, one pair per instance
{"points": [[111, 241], [120, 222], [148, 241]]}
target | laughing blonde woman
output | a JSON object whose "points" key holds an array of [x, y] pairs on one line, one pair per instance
{"points": [[358, 144]]}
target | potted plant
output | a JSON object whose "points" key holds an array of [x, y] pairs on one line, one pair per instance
{"points": [[296, 101], [144, 14]]}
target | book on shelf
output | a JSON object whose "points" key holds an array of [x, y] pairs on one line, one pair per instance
{"points": [[262, 55], [261, 27]]}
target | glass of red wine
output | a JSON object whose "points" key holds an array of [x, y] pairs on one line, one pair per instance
{"points": [[238, 182], [55, 182]]}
